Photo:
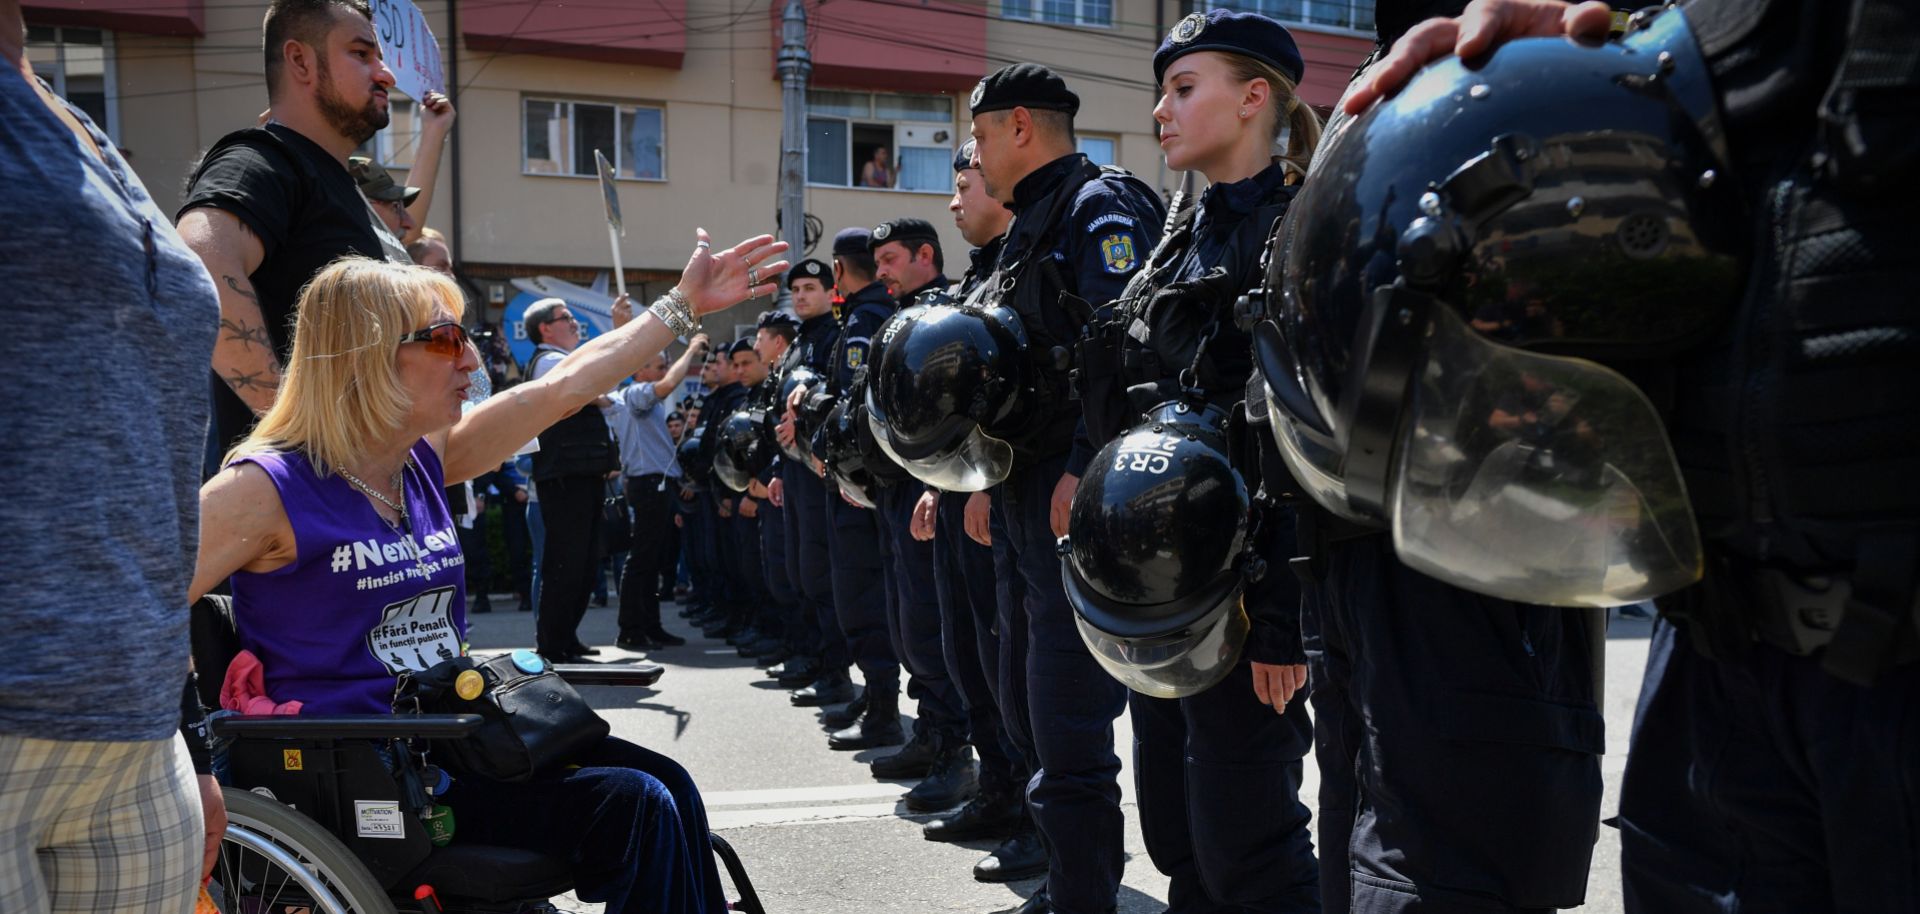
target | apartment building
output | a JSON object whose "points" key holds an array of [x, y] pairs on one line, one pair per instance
{"points": [[682, 95]]}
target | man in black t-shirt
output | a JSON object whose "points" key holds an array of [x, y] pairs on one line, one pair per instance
{"points": [[270, 206]]}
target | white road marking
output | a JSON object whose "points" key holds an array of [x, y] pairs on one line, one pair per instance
{"points": [[834, 793]]}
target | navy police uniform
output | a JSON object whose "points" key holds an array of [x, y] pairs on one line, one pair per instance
{"points": [[1079, 233], [859, 575], [1218, 772], [913, 618], [805, 494], [1775, 755], [964, 580]]}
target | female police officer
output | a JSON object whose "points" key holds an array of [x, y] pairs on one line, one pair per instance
{"points": [[1218, 760]]}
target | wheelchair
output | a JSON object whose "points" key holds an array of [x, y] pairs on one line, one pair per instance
{"points": [[317, 821]]}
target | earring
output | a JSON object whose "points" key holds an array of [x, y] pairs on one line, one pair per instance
{"points": [[1243, 114]]}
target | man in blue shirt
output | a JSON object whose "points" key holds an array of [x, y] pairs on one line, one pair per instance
{"points": [[638, 416]]}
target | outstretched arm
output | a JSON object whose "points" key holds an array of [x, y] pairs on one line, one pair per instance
{"points": [[712, 281]]}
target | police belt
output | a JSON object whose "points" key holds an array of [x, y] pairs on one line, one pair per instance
{"points": [[1862, 622]]}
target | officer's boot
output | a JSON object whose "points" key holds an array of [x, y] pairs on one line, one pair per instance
{"points": [[1018, 857], [829, 689], [844, 717], [880, 726], [954, 779], [913, 760], [796, 671], [990, 814]]}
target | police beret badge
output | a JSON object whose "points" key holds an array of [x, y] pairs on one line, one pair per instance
{"points": [[1189, 28], [979, 92], [881, 231]]}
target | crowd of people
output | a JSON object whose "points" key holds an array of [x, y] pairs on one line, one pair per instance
{"points": [[1175, 461]]}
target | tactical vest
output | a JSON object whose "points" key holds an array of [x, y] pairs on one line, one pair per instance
{"points": [[1802, 459], [578, 445], [1027, 282], [1165, 338]]}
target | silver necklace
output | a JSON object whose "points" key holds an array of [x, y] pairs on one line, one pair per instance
{"points": [[399, 509]]}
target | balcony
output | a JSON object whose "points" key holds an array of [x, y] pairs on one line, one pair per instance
{"points": [[885, 45], [648, 33], [187, 18]]}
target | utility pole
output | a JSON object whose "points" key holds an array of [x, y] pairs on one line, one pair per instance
{"points": [[795, 67]]}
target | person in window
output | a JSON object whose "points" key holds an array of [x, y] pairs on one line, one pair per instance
{"points": [[878, 172], [332, 520]]}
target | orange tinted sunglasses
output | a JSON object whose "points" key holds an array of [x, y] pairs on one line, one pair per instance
{"points": [[446, 339]]}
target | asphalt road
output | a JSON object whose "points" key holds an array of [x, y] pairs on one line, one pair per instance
{"points": [[821, 836]]}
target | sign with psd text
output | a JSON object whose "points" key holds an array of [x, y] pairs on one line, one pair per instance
{"points": [[411, 51]]}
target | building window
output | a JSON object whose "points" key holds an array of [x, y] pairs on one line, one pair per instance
{"points": [[1099, 149], [559, 137], [1340, 14], [1062, 12], [860, 139], [78, 64]]}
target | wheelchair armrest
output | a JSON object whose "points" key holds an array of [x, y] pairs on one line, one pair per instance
{"points": [[610, 674], [347, 726]]}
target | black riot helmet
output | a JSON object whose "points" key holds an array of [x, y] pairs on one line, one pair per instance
{"points": [[1456, 292], [744, 450], [845, 457], [692, 466], [948, 387], [796, 375], [1156, 553]]}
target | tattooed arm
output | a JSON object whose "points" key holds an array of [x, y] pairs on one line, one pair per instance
{"points": [[243, 356]]}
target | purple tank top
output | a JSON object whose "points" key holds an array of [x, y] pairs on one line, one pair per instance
{"points": [[360, 602]]}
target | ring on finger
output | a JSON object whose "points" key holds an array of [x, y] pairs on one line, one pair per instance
{"points": [[703, 245], [753, 277]]}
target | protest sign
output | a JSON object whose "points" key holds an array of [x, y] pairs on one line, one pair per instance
{"points": [[411, 51]]}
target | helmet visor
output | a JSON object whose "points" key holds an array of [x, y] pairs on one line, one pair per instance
{"points": [[1537, 478], [979, 462], [729, 473], [1186, 663]]}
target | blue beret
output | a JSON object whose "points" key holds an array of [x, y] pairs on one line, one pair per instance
{"points": [[776, 318], [1247, 34], [1023, 85], [963, 157], [743, 344], [851, 241], [810, 269]]}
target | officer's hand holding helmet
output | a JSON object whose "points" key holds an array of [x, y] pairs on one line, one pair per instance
{"points": [[1445, 291], [744, 451]]}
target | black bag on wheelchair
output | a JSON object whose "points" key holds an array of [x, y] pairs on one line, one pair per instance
{"points": [[534, 721]]}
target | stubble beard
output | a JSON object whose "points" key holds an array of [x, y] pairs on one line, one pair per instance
{"points": [[356, 124]]}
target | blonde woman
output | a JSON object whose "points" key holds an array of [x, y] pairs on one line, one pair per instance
{"points": [[332, 522]]}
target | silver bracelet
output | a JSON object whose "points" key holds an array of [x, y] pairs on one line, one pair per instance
{"points": [[674, 310]]}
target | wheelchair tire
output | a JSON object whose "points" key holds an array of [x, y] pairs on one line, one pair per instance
{"points": [[274, 857]]}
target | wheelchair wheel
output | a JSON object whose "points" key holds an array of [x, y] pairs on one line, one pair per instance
{"points": [[276, 861]]}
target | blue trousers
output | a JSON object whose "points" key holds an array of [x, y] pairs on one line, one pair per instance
{"points": [[629, 819], [1759, 783], [860, 592], [1458, 742], [537, 533], [783, 603], [702, 552], [913, 619], [964, 580], [1075, 791], [810, 567]]}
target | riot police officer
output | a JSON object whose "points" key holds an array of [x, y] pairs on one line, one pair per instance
{"points": [[908, 261], [859, 577], [1772, 765], [824, 680], [773, 336], [1078, 234], [972, 630], [735, 599], [1217, 760]]}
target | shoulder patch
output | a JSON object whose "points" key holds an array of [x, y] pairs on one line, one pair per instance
{"points": [[1117, 252], [1105, 219], [856, 356]]}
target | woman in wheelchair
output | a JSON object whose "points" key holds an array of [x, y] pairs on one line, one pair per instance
{"points": [[331, 521]]}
